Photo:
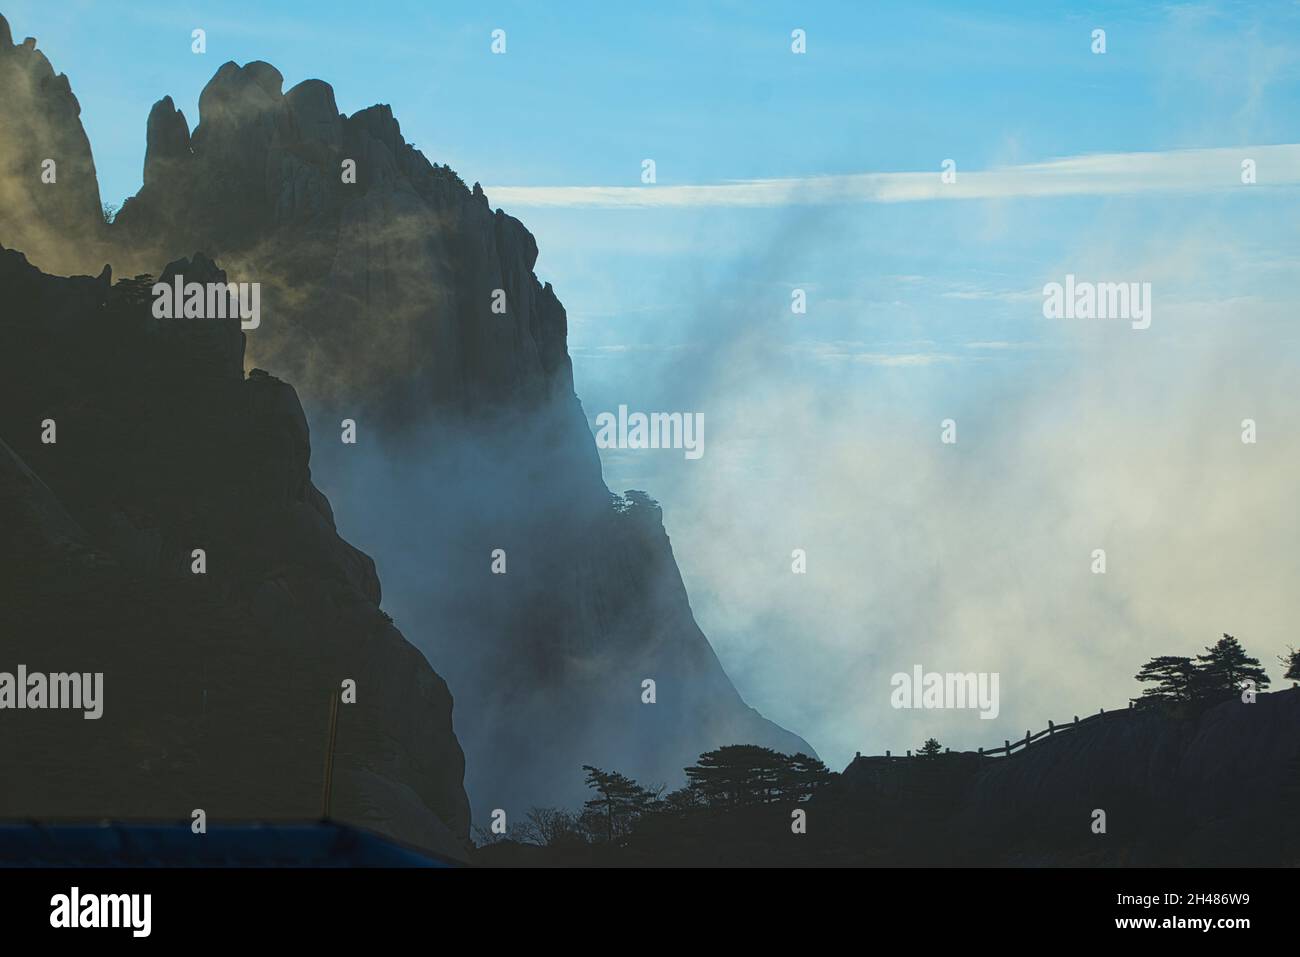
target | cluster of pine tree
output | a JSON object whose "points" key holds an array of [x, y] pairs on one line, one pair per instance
{"points": [[737, 779], [728, 779], [1222, 672]]}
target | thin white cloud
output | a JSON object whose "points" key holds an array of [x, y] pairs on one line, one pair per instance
{"points": [[619, 351], [993, 295], [1098, 174], [863, 354], [902, 360]]}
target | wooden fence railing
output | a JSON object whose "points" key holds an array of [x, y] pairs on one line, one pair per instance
{"points": [[1010, 747]]}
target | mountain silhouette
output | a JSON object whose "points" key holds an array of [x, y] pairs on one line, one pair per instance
{"points": [[162, 529], [378, 303]]}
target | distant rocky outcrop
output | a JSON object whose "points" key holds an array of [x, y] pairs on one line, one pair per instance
{"points": [[128, 442], [48, 189], [382, 287], [378, 296], [377, 301]]}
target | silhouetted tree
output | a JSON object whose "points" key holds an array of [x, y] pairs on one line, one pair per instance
{"points": [[553, 826], [802, 775], [1224, 666], [740, 775], [930, 749], [619, 801], [682, 801], [133, 294], [736, 775], [1291, 662], [1176, 679]]}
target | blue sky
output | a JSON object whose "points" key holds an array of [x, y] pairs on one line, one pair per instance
{"points": [[822, 429], [712, 91]]}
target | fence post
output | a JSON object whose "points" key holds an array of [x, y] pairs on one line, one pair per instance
{"points": [[1076, 719], [981, 751], [1027, 734], [909, 752], [1051, 728], [887, 754], [1008, 746]]}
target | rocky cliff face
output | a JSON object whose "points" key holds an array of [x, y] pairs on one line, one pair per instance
{"points": [[382, 288], [378, 296], [48, 188], [128, 443], [378, 299]]}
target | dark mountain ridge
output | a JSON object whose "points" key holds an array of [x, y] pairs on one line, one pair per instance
{"points": [[377, 302], [128, 443]]}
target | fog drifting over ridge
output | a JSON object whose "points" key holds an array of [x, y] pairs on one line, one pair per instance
{"points": [[1072, 435]]}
